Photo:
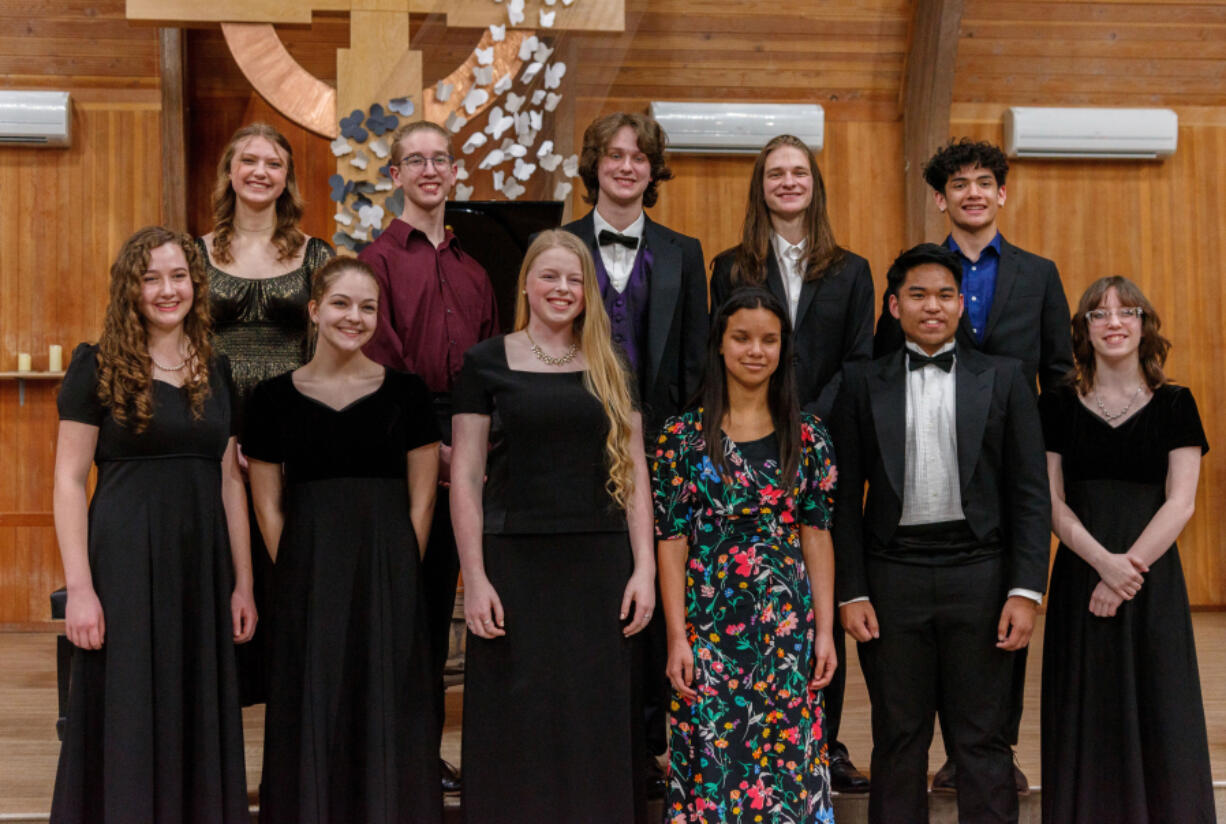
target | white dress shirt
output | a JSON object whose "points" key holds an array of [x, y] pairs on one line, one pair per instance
{"points": [[931, 483], [619, 260], [931, 489], [790, 257]]}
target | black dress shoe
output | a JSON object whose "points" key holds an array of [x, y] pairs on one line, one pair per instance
{"points": [[1019, 778], [844, 777], [451, 777], [946, 779]]}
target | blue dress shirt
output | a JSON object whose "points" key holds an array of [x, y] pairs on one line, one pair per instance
{"points": [[978, 283]]}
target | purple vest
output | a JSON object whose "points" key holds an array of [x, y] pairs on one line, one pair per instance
{"points": [[628, 309]]}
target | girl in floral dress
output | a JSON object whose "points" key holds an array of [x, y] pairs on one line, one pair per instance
{"points": [[746, 580]]}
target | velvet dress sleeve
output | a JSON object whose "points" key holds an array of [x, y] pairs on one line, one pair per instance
{"points": [[469, 393], [260, 438], [78, 397], [421, 425], [1185, 427]]}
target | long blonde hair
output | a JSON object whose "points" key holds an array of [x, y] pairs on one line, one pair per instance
{"points": [[125, 368], [287, 237], [606, 376]]}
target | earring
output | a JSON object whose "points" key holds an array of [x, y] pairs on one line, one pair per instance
{"points": [[523, 291]]}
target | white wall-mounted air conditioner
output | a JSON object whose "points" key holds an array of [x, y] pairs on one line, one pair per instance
{"points": [[35, 118], [737, 128], [1090, 133]]}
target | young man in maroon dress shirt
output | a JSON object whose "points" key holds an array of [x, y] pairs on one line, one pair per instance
{"points": [[436, 302]]}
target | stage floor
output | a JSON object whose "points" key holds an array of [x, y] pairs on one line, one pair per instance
{"points": [[29, 749]]}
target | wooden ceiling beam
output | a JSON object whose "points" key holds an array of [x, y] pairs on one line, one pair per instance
{"points": [[927, 94]]}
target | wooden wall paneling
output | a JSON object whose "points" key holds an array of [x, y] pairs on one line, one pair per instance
{"points": [[928, 89], [1159, 225], [1093, 53], [63, 216], [174, 142]]}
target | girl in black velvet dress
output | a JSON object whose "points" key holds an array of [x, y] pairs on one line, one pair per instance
{"points": [[158, 570], [556, 551], [1123, 723], [344, 465]]}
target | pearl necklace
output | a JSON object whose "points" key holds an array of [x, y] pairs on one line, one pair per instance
{"points": [[544, 356], [1107, 416]]}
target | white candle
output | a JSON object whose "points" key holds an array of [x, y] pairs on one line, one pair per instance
{"points": [[55, 358], [23, 361]]}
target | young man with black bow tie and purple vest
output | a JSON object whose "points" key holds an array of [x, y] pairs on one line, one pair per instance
{"points": [[654, 286], [940, 568]]}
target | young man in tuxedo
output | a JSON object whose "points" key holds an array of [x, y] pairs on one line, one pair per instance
{"points": [[654, 287], [940, 569], [436, 302], [1015, 306]]}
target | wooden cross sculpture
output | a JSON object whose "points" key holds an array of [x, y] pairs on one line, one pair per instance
{"points": [[378, 67]]}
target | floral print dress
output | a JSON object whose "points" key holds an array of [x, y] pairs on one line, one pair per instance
{"points": [[750, 748]]}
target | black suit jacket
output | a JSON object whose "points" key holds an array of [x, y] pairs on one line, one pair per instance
{"points": [[676, 318], [834, 322], [1028, 319], [1001, 464]]}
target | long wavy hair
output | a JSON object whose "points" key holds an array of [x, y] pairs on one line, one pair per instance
{"points": [[125, 369], [821, 251], [286, 236], [1152, 351], [780, 393], [606, 376], [652, 141]]}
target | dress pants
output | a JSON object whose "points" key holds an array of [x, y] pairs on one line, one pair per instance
{"points": [[937, 651], [440, 574]]}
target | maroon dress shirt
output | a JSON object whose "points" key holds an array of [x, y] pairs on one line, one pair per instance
{"points": [[435, 304]]}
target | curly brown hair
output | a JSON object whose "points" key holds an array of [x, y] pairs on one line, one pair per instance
{"points": [[287, 237], [125, 369], [652, 141], [1152, 351]]}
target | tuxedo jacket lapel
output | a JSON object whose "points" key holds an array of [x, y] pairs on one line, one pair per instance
{"points": [[665, 290], [973, 397], [585, 228], [774, 278], [887, 390], [1006, 278]]}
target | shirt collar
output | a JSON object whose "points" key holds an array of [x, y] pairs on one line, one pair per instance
{"points": [[634, 230], [402, 232], [911, 346], [788, 251], [993, 244]]}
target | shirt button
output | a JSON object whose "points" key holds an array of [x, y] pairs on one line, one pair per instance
{"points": [[617, 338], [449, 311], [618, 304], [974, 268], [974, 299], [975, 330]]}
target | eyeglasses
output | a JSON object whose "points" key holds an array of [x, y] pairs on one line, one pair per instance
{"points": [[418, 162], [1098, 317]]}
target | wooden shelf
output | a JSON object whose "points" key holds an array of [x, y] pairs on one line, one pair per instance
{"points": [[31, 376]]}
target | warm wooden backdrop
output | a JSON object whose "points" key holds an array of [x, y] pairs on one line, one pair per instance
{"points": [[63, 213]]}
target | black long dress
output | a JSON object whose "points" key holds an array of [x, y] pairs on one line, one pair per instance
{"points": [[1123, 724], [261, 325], [154, 727], [349, 724], [550, 733]]}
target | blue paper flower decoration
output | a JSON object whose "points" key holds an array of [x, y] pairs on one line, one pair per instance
{"points": [[351, 126]]}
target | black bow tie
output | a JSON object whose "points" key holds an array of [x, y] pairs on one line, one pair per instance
{"points": [[606, 237], [943, 361]]}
